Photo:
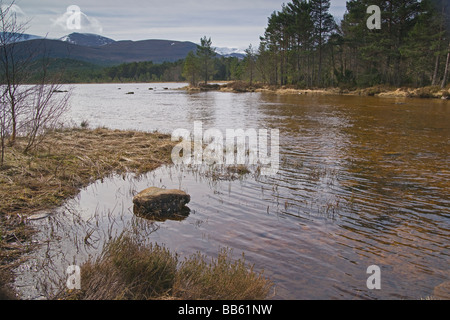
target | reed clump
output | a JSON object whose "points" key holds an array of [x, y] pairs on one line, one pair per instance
{"points": [[130, 270]]}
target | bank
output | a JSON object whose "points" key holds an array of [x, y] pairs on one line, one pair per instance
{"points": [[429, 92], [67, 160]]}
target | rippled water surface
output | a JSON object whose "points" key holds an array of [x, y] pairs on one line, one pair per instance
{"points": [[363, 181]]}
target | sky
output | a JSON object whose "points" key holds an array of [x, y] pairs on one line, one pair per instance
{"points": [[229, 23]]}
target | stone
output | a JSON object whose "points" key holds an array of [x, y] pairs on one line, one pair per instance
{"points": [[442, 291], [38, 216], [161, 203]]}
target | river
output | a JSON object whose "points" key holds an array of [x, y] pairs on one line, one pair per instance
{"points": [[363, 181]]}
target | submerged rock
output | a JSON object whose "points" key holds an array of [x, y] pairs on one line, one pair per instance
{"points": [[442, 291], [162, 204], [38, 216]]}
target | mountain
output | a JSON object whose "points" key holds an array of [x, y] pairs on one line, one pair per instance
{"points": [[18, 37], [99, 50], [87, 39], [231, 52], [113, 53]]}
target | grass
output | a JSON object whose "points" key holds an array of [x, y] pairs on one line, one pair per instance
{"points": [[130, 270], [66, 161], [71, 159], [377, 90]]}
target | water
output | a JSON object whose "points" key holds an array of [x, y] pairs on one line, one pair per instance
{"points": [[363, 181]]}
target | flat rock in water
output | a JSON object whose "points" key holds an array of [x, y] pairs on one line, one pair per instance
{"points": [[160, 203], [442, 291], [38, 216]]}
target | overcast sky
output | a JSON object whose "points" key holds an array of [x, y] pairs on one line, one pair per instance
{"points": [[230, 23]]}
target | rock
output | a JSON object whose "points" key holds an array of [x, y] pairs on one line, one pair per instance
{"points": [[442, 291], [38, 216], [161, 203]]}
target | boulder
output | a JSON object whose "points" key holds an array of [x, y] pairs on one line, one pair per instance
{"points": [[161, 203], [442, 291]]}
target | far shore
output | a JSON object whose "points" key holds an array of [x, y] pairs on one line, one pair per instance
{"points": [[429, 92]]}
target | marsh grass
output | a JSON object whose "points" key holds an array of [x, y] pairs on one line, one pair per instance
{"points": [[64, 163], [200, 278], [71, 159], [130, 270]]}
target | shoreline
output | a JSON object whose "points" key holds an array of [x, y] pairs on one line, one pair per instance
{"points": [[429, 92], [66, 161], [32, 186]]}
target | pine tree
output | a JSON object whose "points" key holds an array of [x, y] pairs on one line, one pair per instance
{"points": [[206, 54], [191, 68], [323, 25]]}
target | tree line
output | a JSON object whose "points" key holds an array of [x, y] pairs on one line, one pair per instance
{"points": [[221, 68], [305, 45]]}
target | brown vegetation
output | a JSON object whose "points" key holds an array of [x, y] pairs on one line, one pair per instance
{"points": [[379, 91], [130, 270], [70, 159], [66, 161]]}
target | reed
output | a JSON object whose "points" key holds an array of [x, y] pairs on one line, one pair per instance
{"points": [[130, 270], [68, 160]]}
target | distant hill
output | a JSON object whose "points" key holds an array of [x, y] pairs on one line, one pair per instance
{"points": [[113, 53], [231, 52], [103, 51], [87, 39], [18, 37]]}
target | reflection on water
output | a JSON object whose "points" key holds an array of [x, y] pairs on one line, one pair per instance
{"points": [[363, 181]]}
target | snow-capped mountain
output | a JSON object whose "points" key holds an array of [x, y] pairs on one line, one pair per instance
{"points": [[101, 50], [19, 37], [87, 39], [231, 52]]}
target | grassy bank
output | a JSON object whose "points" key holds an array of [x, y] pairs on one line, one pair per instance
{"points": [[130, 270], [65, 162], [71, 159], [430, 92]]}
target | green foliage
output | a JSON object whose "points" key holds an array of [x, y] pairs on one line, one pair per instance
{"points": [[205, 55], [302, 45], [189, 69]]}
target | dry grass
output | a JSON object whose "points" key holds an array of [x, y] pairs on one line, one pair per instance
{"points": [[65, 162], [241, 86], [129, 270], [219, 279], [69, 160]]}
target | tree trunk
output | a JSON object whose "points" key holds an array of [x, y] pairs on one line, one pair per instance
{"points": [[447, 65], [434, 82], [435, 74]]}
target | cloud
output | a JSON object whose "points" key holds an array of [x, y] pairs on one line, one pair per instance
{"points": [[77, 21], [15, 12]]}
